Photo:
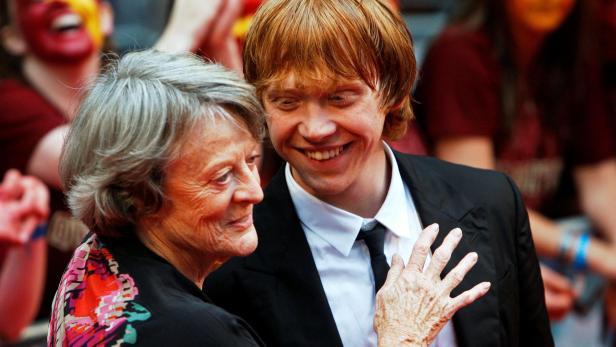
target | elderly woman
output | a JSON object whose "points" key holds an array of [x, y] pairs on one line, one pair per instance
{"points": [[160, 164]]}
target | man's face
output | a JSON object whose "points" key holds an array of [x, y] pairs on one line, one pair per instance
{"points": [[330, 133], [541, 16], [60, 31]]}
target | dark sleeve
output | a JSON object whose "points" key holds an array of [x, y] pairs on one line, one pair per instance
{"points": [[534, 322], [457, 94]]}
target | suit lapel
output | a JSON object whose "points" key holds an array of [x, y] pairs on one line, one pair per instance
{"points": [[439, 202], [286, 254]]}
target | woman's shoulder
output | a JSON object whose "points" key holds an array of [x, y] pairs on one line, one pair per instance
{"points": [[95, 301], [112, 297]]}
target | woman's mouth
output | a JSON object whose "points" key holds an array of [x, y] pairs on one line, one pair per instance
{"points": [[242, 223]]}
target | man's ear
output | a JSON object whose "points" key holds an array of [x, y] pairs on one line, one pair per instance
{"points": [[12, 41], [106, 18]]}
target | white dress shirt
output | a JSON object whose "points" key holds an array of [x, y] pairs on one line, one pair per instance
{"points": [[344, 265]]}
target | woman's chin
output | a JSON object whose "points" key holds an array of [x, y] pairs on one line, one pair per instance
{"points": [[248, 243]]}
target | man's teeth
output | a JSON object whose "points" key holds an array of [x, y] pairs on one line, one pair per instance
{"points": [[324, 155], [67, 21]]}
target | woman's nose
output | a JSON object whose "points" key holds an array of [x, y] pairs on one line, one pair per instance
{"points": [[250, 190]]}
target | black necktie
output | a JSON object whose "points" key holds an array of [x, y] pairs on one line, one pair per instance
{"points": [[375, 241]]}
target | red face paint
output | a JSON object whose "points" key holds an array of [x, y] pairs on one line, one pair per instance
{"points": [[60, 31]]}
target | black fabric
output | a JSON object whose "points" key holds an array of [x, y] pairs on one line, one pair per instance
{"points": [[375, 241], [181, 314]]}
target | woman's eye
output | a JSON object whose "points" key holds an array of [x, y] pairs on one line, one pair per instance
{"points": [[224, 178], [252, 160]]}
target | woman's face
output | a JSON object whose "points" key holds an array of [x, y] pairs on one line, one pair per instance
{"points": [[540, 16], [211, 189]]}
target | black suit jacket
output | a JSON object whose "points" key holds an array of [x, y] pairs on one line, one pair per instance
{"points": [[278, 291]]}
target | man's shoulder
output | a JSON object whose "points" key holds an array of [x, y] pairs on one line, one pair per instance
{"points": [[450, 172], [478, 186]]}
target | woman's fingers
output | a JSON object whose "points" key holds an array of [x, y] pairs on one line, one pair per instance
{"points": [[397, 265], [456, 275], [443, 253], [422, 248], [468, 297]]}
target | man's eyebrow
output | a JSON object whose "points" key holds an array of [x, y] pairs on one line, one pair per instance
{"points": [[282, 90]]}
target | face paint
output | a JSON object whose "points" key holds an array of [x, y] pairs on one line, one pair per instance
{"points": [[60, 31], [541, 16]]}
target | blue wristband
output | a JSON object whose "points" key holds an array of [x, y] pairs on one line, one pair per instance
{"points": [[40, 231], [579, 262], [565, 245]]}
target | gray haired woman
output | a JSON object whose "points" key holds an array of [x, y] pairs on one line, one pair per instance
{"points": [[160, 164]]}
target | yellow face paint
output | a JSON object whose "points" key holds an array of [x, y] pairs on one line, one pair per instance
{"points": [[89, 11]]}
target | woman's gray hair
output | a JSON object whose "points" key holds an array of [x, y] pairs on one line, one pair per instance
{"points": [[130, 125]]}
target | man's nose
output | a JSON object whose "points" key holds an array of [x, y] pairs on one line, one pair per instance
{"points": [[317, 124]]}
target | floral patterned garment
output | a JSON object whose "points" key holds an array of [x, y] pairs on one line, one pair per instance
{"points": [[94, 305]]}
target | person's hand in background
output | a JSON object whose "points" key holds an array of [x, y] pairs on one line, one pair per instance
{"points": [[204, 27], [24, 204], [559, 293]]}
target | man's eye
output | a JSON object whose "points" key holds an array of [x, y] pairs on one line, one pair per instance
{"points": [[286, 103], [224, 178], [341, 99]]}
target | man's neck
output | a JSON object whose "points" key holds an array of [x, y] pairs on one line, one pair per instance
{"points": [[60, 84]]}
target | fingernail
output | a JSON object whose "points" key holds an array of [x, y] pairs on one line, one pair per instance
{"points": [[474, 256], [485, 286], [457, 232], [433, 227]]}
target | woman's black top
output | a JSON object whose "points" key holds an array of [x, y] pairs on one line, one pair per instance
{"points": [[116, 291]]}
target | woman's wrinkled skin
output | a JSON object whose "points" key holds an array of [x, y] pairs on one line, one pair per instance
{"points": [[423, 295]]}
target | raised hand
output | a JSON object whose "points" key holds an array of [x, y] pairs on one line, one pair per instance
{"points": [[415, 304], [204, 27], [24, 203]]}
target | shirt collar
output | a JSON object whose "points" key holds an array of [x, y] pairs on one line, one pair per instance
{"points": [[338, 227]]}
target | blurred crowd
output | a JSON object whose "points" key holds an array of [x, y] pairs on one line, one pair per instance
{"points": [[526, 87]]}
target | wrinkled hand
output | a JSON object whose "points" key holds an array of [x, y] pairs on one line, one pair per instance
{"points": [[414, 305], [24, 203], [559, 294]]}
